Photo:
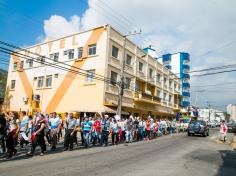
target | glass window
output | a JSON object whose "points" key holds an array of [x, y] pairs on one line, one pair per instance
{"points": [[92, 49], [128, 59], [71, 54], [164, 97], [140, 66], [30, 62], [80, 52], [42, 60], [13, 84], [90, 76], [113, 78], [49, 81], [170, 98], [54, 57], [159, 93], [150, 73], [165, 80], [170, 84], [21, 64], [40, 81], [14, 66], [115, 52], [158, 77], [127, 82]]}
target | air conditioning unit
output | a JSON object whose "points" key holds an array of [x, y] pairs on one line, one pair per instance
{"points": [[36, 97], [25, 99]]}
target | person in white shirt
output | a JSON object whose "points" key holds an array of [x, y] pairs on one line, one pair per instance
{"points": [[55, 124], [24, 129]]}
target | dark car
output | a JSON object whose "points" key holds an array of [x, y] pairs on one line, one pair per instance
{"points": [[198, 127], [231, 127]]}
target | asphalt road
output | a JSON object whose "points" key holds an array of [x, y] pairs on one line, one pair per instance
{"points": [[169, 155]]}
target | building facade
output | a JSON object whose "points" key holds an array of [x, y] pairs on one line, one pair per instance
{"points": [[81, 73], [231, 110], [178, 63], [211, 115]]}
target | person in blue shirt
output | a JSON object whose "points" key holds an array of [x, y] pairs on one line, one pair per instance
{"points": [[87, 129], [115, 130], [105, 126]]}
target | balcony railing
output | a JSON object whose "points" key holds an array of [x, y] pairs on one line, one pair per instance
{"points": [[147, 97], [186, 85]]}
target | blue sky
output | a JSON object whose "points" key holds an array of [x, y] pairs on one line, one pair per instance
{"points": [[21, 21]]}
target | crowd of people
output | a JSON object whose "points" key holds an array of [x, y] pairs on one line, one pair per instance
{"points": [[48, 129]]}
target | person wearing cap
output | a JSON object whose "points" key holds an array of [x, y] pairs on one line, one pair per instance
{"points": [[70, 133], [105, 126], [38, 136], [87, 129], [55, 124]]}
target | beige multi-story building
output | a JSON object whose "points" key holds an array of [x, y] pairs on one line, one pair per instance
{"points": [[79, 73]]}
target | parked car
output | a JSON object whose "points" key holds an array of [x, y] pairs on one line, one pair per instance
{"points": [[232, 127], [198, 127]]}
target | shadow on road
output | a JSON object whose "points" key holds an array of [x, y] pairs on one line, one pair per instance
{"points": [[228, 166]]}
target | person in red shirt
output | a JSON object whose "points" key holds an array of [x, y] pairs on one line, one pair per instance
{"points": [[96, 130]]}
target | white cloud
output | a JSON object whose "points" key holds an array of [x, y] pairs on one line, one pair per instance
{"points": [[57, 26], [195, 26]]}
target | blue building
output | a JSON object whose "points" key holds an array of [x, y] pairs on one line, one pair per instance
{"points": [[178, 63]]}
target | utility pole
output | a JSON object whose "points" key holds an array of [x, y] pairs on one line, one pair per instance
{"points": [[122, 83], [209, 106]]}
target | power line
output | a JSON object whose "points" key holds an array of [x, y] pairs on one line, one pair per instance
{"points": [[207, 74], [21, 49], [209, 85]]}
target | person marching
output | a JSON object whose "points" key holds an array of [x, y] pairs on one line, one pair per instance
{"points": [[12, 134], [223, 130], [70, 131], [55, 123], [24, 129], [96, 131], [105, 125], [115, 130], [38, 136], [87, 129]]}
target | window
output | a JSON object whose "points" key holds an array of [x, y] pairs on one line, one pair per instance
{"points": [[165, 80], [13, 84], [92, 49], [14, 66], [113, 78], [42, 60], [115, 52], [140, 66], [71, 54], [80, 52], [49, 81], [54, 57], [170, 84], [128, 59], [164, 97], [150, 73], [30, 62], [21, 64], [159, 93], [127, 82], [90, 76], [158, 77], [170, 98], [40, 81], [175, 86]]}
